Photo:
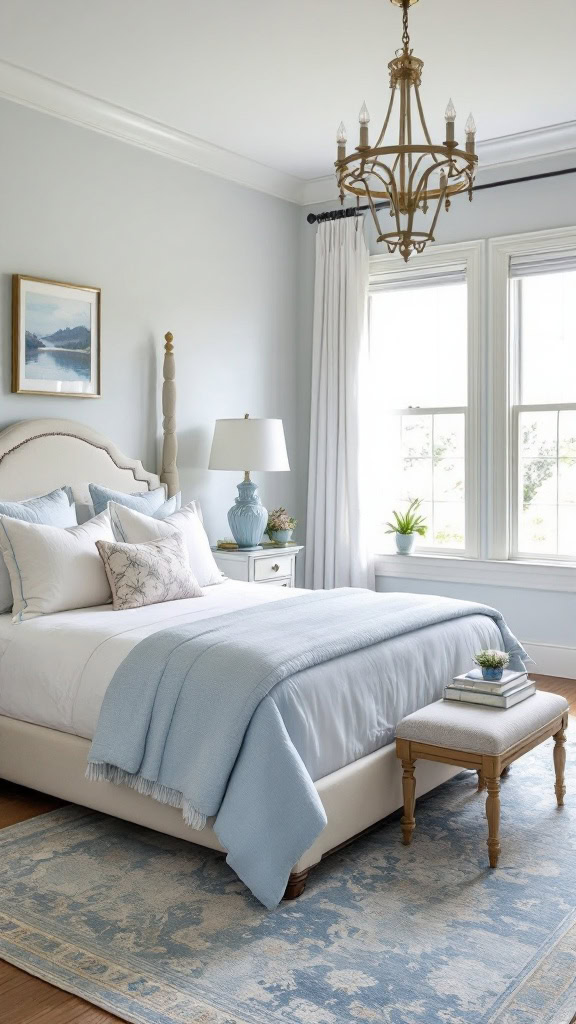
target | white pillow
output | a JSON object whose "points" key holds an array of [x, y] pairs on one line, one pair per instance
{"points": [[54, 569], [131, 527], [54, 509]]}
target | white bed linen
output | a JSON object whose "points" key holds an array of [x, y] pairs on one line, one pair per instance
{"points": [[54, 671]]}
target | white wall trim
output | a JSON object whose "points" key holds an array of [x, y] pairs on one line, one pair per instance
{"points": [[51, 97], [21, 85], [551, 659], [319, 190], [521, 146], [496, 573], [508, 149]]}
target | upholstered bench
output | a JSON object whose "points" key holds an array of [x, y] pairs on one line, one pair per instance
{"points": [[485, 739]]}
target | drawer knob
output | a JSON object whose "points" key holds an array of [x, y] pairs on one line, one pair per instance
{"points": [[275, 568]]}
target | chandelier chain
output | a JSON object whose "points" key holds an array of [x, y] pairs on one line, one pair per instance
{"points": [[405, 35]]}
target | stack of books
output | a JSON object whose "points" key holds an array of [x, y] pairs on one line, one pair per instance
{"points": [[474, 689]]}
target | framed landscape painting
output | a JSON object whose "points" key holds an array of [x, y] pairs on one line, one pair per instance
{"points": [[56, 338]]}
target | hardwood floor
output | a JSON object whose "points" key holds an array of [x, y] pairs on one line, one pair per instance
{"points": [[27, 1000]]}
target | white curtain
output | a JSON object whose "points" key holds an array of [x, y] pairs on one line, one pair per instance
{"points": [[337, 536]]}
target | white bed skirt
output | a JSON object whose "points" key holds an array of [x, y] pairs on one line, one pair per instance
{"points": [[354, 797]]}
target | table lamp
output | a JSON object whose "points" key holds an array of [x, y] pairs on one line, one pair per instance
{"points": [[259, 444]]}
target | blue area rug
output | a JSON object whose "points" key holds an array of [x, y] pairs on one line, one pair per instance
{"points": [[161, 932]]}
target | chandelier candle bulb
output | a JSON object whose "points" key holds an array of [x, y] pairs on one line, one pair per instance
{"points": [[450, 117], [364, 119], [341, 141], [450, 113], [470, 129]]}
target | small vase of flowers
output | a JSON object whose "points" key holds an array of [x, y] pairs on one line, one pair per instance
{"points": [[280, 527], [492, 664], [406, 526]]}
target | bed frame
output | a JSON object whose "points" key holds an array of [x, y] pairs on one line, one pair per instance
{"points": [[37, 456]]}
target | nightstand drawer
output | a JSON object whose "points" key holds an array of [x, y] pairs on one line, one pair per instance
{"points": [[268, 565], [273, 566]]}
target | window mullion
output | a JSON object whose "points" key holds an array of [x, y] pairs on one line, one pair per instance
{"points": [[557, 483], [432, 484], [499, 404]]}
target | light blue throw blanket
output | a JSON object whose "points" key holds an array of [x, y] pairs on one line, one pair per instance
{"points": [[185, 721]]}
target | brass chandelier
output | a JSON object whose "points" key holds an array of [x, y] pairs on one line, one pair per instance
{"points": [[417, 177]]}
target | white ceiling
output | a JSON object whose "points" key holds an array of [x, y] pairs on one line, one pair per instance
{"points": [[271, 80]]}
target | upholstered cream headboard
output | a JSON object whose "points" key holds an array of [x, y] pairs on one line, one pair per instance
{"points": [[37, 456]]}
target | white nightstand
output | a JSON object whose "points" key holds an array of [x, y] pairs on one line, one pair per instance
{"points": [[276, 566]]}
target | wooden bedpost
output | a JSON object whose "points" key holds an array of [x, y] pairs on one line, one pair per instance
{"points": [[169, 474]]}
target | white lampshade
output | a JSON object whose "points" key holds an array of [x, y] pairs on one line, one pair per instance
{"points": [[249, 444]]}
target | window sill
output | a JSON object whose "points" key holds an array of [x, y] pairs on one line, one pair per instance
{"points": [[558, 576]]}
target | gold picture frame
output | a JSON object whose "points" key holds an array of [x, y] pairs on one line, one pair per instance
{"points": [[56, 347]]}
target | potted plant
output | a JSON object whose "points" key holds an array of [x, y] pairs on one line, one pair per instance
{"points": [[406, 526], [492, 663], [280, 526]]}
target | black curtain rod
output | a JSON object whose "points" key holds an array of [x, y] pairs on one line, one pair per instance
{"points": [[351, 211]]}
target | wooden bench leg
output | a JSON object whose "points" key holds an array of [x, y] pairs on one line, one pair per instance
{"points": [[481, 781], [493, 814], [408, 821], [560, 762]]}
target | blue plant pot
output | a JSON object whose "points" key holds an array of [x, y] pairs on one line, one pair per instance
{"points": [[405, 543], [248, 518], [492, 675], [281, 537]]}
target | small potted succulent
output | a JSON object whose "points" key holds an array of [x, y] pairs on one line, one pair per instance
{"points": [[492, 664], [280, 526], [406, 526]]}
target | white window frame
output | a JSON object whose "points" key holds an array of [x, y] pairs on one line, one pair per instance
{"points": [[503, 407], [384, 270]]}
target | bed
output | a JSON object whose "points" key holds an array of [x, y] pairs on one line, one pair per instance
{"points": [[54, 670]]}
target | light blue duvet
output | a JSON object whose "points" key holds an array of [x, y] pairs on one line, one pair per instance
{"points": [[184, 719]]}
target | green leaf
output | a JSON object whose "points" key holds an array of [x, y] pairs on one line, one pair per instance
{"points": [[409, 521]]}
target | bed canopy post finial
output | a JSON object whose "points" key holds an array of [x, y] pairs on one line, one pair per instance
{"points": [[169, 474]]}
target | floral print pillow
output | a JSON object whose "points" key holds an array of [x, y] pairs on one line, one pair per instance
{"points": [[149, 573]]}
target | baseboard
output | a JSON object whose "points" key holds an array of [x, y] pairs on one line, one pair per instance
{"points": [[551, 660]]}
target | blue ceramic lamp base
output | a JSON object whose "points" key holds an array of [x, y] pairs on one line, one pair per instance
{"points": [[248, 518]]}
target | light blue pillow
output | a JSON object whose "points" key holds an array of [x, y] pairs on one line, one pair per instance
{"points": [[54, 509], [149, 503]]}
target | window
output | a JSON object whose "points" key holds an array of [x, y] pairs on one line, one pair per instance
{"points": [[422, 356], [475, 382], [543, 431]]}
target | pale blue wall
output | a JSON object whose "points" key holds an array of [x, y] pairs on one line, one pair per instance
{"points": [[172, 249], [536, 616]]}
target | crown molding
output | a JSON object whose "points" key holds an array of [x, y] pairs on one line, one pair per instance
{"points": [[539, 142], [45, 94], [554, 140], [39, 92]]}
